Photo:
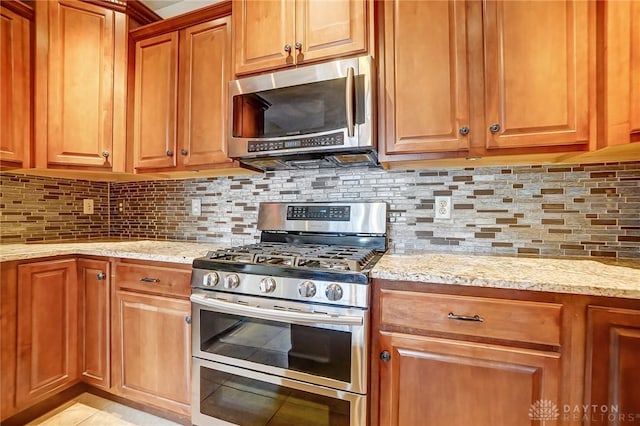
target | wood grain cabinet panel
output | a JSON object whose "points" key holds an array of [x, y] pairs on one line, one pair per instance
{"points": [[634, 95], [8, 327], [430, 381], [47, 333], [15, 89], [613, 371], [425, 89], [312, 30], [94, 321]]}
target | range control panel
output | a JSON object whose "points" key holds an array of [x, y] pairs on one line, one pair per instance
{"points": [[333, 139], [325, 213]]}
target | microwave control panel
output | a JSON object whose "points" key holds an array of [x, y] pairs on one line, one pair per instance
{"points": [[334, 139]]}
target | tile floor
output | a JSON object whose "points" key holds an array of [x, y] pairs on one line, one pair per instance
{"points": [[91, 410]]}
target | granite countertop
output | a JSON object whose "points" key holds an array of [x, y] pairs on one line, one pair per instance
{"points": [[584, 276], [161, 251]]}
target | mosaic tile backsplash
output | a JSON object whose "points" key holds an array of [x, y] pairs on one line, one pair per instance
{"points": [[558, 210], [46, 209]]}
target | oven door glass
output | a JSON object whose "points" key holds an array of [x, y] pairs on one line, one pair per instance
{"points": [[243, 397], [314, 350]]}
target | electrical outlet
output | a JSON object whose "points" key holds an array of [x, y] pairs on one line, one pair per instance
{"points": [[196, 207], [87, 206], [121, 206], [443, 207]]}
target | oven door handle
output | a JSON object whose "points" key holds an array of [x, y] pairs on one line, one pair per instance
{"points": [[274, 314]]}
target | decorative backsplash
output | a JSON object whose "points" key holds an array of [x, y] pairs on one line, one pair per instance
{"points": [[557, 210], [46, 209]]}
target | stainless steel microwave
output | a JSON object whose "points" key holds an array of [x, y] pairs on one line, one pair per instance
{"points": [[308, 117]]}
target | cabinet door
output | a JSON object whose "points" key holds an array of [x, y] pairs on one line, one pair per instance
{"points": [[635, 70], [325, 29], [47, 333], [613, 372], [425, 99], [80, 83], [537, 73], [261, 30], [93, 281], [433, 381], [155, 102], [154, 355], [205, 58], [15, 89]]}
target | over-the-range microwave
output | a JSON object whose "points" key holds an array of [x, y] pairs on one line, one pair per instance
{"points": [[312, 116]]}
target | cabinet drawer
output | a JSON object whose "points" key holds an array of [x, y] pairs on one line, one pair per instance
{"points": [[154, 279], [515, 320]]}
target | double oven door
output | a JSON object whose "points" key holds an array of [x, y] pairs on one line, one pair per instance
{"points": [[259, 361]]}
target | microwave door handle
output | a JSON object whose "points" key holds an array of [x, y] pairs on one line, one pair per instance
{"points": [[273, 314], [349, 102]]}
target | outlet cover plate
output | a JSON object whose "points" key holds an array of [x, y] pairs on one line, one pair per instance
{"points": [[443, 207], [196, 207]]}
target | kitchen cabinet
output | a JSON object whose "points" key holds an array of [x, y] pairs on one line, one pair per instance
{"points": [[180, 101], [612, 373], [15, 84], [47, 329], [280, 33], [152, 334], [94, 321], [8, 324], [80, 84], [437, 354], [490, 78]]}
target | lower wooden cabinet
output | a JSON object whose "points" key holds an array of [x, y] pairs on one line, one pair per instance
{"points": [[613, 368], [94, 321], [433, 381], [47, 329]]}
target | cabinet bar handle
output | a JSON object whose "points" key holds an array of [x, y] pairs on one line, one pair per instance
{"points": [[476, 318], [149, 280]]}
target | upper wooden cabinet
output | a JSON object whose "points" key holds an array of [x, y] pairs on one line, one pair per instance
{"points": [[485, 78], [15, 86], [80, 85], [279, 33], [180, 98]]}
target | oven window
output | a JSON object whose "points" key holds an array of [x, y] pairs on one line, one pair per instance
{"points": [[318, 351], [245, 401], [295, 110]]}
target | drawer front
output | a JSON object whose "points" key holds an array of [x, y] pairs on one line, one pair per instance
{"points": [[154, 279], [514, 320]]}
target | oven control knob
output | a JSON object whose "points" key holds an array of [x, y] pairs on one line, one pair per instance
{"points": [[307, 289], [210, 279], [333, 292], [231, 281], [267, 285]]}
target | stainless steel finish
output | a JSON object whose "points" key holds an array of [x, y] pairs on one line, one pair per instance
{"points": [[293, 316], [333, 292], [464, 130], [298, 46], [211, 279], [307, 289], [476, 318], [267, 285], [184, 151], [366, 218], [363, 133], [385, 356], [357, 402], [169, 153], [287, 288], [287, 48], [101, 276], [494, 128], [231, 281], [105, 154], [328, 317], [349, 102], [149, 280]]}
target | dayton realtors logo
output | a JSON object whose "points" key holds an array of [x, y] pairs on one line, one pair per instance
{"points": [[545, 411]]}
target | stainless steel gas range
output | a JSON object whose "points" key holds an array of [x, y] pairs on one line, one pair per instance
{"points": [[281, 327]]}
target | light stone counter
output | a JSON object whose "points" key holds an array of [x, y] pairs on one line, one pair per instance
{"points": [[161, 251], [587, 277]]}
